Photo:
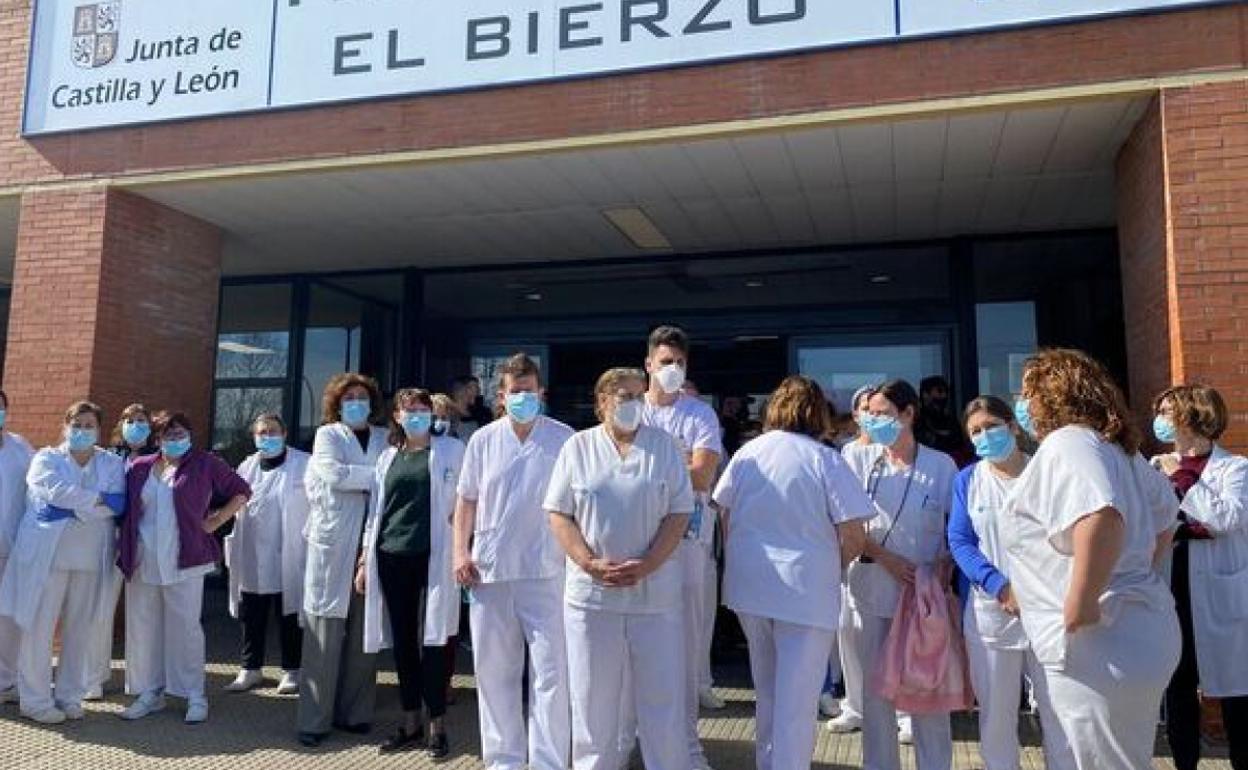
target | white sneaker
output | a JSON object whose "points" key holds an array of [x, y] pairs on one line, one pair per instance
{"points": [[9, 695], [905, 731], [247, 679], [829, 706], [709, 700], [94, 693], [289, 684], [144, 705], [845, 723], [72, 711], [196, 712], [49, 716]]}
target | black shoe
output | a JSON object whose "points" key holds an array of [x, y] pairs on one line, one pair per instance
{"points": [[363, 728], [439, 747], [311, 740], [403, 741]]}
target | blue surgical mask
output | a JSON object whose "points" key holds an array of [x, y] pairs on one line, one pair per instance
{"points": [[416, 423], [355, 412], [1022, 413], [270, 446], [995, 444], [175, 448], [1164, 429], [523, 407], [81, 439], [882, 429], [135, 432]]}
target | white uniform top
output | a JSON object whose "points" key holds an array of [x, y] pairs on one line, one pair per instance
{"points": [[1074, 473], [986, 503], [508, 479], [260, 568], [914, 504], [15, 455], [694, 425], [159, 541], [82, 541], [619, 504], [785, 494]]}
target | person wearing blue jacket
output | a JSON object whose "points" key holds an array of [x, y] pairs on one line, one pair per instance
{"points": [[996, 645]]}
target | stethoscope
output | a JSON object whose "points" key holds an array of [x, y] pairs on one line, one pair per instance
{"points": [[874, 478]]}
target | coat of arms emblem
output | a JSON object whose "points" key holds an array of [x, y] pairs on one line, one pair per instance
{"points": [[96, 29]]}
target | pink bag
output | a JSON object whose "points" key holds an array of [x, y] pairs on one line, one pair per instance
{"points": [[923, 669]]}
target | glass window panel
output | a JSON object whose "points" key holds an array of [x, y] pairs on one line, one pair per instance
{"points": [[842, 369], [1005, 337], [236, 408], [331, 346], [253, 341]]}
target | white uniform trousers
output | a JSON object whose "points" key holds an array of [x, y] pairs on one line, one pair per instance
{"points": [[997, 676], [788, 663], [68, 597], [695, 563], [509, 619], [10, 641], [933, 733], [1107, 695], [101, 671], [610, 654], [164, 639], [710, 609], [850, 661]]}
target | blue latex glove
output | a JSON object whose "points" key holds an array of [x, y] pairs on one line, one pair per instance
{"points": [[116, 501], [50, 513]]}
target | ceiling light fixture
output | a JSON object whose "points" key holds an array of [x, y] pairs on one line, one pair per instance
{"points": [[881, 279], [755, 284], [534, 296], [635, 225]]}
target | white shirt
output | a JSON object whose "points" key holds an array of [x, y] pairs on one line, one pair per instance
{"points": [[507, 480], [15, 455], [82, 542], [695, 426], [913, 502], [260, 569], [619, 504], [159, 541], [986, 503], [785, 494], [1075, 473]]}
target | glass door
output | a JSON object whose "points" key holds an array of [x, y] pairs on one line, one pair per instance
{"points": [[842, 363]]}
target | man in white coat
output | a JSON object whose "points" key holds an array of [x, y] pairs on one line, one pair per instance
{"points": [[63, 565], [15, 456], [515, 572]]}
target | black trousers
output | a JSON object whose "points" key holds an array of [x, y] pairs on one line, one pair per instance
{"points": [[253, 612], [1182, 701], [421, 669]]}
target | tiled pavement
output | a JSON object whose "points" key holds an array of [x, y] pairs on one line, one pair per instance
{"points": [[255, 731]]}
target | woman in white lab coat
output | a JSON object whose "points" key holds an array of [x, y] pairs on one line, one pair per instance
{"points": [[15, 456], [266, 554], [1209, 572], [338, 680], [911, 488], [997, 647], [619, 501], [408, 552], [1086, 525], [61, 570], [793, 512]]}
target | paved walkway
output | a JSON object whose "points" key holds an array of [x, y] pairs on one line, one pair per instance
{"points": [[256, 731]]}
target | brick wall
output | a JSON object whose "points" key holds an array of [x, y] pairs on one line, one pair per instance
{"points": [[114, 299], [1205, 39]]}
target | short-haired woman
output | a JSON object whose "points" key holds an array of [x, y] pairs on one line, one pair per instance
{"points": [[407, 558], [338, 682], [619, 501], [1209, 573], [1086, 526], [793, 513], [15, 456], [266, 554], [61, 569], [165, 550]]}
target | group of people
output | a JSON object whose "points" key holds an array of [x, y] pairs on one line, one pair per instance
{"points": [[588, 564]]}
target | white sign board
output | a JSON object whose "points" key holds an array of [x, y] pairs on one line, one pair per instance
{"points": [[118, 62]]}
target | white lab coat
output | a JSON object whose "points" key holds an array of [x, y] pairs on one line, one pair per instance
{"points": [[339, 481], [294, 506], [442, 601], [15, 457], [1219, 574], [52, 481]]}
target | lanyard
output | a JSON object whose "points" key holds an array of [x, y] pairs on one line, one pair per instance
{"points": [[873, 487]]}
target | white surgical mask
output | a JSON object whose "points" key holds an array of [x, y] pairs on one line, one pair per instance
{"points": [[670, 378], [627, 416]]}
